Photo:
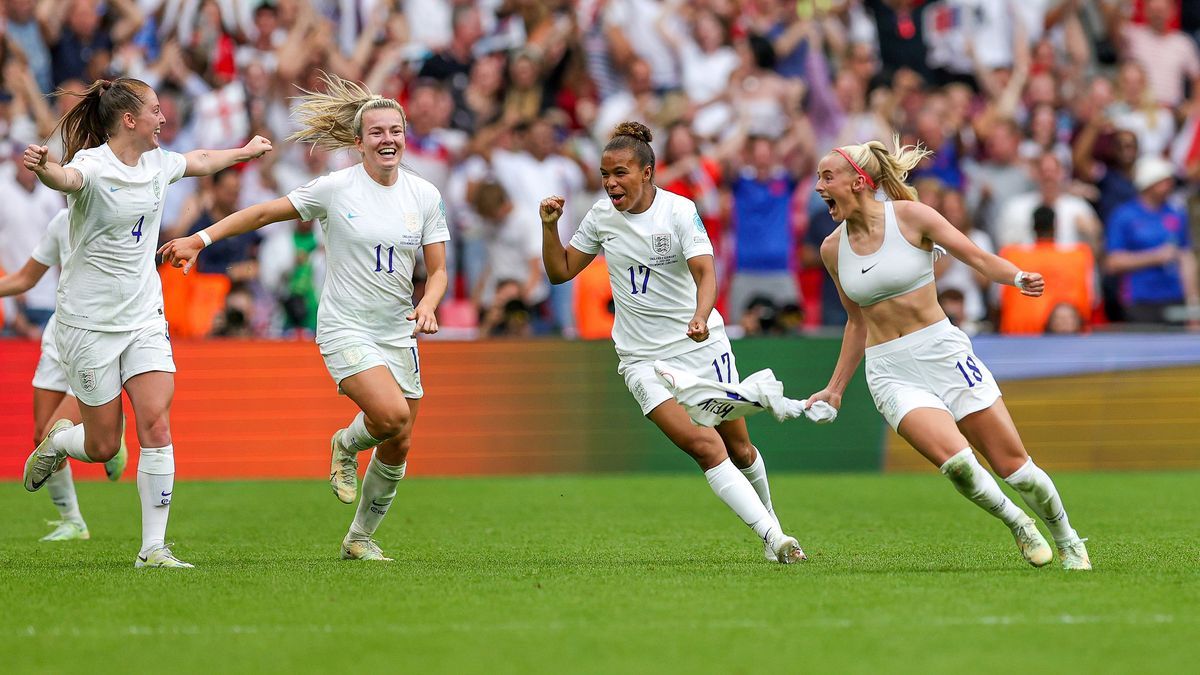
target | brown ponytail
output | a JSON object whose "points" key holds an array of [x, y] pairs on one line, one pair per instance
{"points": [[90, 123]]}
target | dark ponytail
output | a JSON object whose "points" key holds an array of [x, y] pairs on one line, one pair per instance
{"points": [[634, 136], [95, 117]]}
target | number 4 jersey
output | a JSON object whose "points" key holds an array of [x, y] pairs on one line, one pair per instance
{"points": [[372, 235], [109, 281], [653, 289]]}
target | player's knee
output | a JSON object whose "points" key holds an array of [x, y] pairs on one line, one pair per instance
{"points": [[741, 452], [391, 422], [102, 449], [707, 451], [155, 431]]}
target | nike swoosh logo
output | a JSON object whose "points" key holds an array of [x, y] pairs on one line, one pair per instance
{"points": [[143, 558], [114, 189], [351, 216], [39, 483], [868, 269], [166, 494]]}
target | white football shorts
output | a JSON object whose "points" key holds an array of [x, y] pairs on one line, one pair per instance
{"points": [[352, 355], [49, 374], [714, 361], [931, 368], [98, 363]]}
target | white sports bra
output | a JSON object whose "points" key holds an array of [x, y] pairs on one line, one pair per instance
{"points": [[896, 268]]}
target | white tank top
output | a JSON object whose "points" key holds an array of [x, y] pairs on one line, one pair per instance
{"points": [[896, 268]]}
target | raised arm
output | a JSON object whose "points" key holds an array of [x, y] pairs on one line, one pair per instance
{"points": [[705, 273], [53, 175], [562, 263], [934, 227], [208, 162], [23, 279], [182, 252], [854, 337]]}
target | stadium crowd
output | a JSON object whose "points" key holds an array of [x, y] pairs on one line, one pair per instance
{"points": [[1066, 133]]}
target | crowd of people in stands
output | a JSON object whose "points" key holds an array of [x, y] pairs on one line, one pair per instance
{"points": [[1066, 138]]}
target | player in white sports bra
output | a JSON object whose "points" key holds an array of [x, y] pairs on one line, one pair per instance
{"points": [[921, 370]]}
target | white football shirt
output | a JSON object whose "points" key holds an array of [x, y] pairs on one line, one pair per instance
{"points": [[653, 289], [55, 245], [109, 281], [372, 235]]}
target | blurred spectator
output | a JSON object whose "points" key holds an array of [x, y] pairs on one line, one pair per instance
{"points": [[759, 317], [998, 177], [512, 255], [1064, 320], [1167, 56], [820, 226], [954, 273], [900, 24], [952, 303], [1112, 171], [26, 208], [508, 315], [1075, 220], [1150, 246], [25, 29], [1136, 110], [235, 257], [1069, 271], [765, 244], [292, 271]]}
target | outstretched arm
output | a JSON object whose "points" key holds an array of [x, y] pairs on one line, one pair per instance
{"points": [[208, 162], [182, 252], [23, 279], [53, 175], [934, 227]]}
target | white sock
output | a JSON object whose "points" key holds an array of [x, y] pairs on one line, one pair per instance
{"points": [[975, 483], [756, 473], [1038, 491], [378, 491], [70, 441], [156, 483], [62, 493], [356, 438], [731, 486]]}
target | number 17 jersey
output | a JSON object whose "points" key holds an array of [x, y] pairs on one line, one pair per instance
{"points": [[652, 286], [372, 235]]}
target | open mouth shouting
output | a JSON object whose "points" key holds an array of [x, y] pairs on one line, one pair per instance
{"points": [[617, 198], [387, 152]]}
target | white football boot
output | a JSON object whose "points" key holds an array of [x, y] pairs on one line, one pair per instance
{"points": [[160, 556], [343, 470], [67, 530], [44, 460], [1032, 544], [1075, 556], [362, 549]]}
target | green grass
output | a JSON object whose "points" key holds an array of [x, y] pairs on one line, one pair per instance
{"points": [[604, 574]]}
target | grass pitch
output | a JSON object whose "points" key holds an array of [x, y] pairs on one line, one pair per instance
{"points": [[604, 574]]}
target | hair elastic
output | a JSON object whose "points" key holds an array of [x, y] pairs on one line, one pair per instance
{"points": [[870, 183]]}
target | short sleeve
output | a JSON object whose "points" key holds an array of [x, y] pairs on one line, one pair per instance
{"points": [[690, 229], [586, 238], [311, 200], [47, 251], [174, 165], [435, 229], [87, 165]]}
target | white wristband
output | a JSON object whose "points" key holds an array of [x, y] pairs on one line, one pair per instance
{"points": [[1017, 280], [208, 240]]}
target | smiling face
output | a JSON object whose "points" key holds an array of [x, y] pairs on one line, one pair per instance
{"points": [[382, 139], [626, 183], [839, 185], [148, 122]]}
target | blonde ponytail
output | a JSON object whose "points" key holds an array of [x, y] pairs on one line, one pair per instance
{"points": [[332, 119], [888, 171]]}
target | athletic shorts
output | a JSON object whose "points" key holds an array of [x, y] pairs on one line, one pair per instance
{"points": [[714, 360], [49, 374], [352, 355], [931, 368], [99, 363]]}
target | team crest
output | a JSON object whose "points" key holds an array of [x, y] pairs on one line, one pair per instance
{"points": [[87, 379], [157, 188], [411, 222], [660, 244]]}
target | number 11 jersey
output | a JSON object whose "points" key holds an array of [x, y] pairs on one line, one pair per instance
{"points": [[372, 235]]}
